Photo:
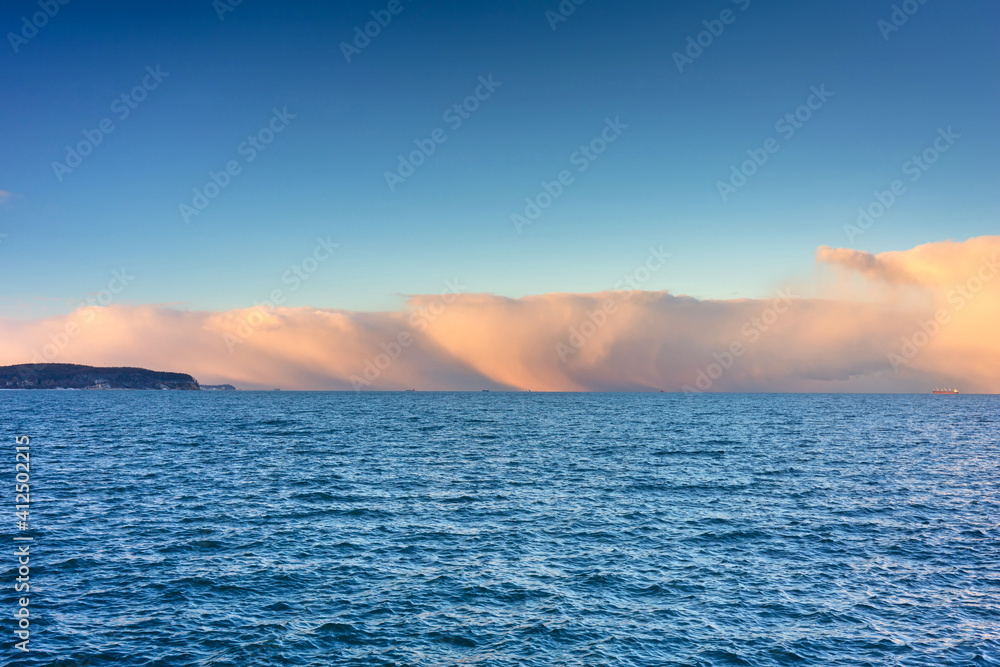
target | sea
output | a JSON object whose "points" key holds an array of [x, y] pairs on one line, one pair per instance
{"points": [[258, 529]]}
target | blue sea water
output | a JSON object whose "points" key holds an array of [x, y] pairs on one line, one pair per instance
{"points": [[260, 529]]}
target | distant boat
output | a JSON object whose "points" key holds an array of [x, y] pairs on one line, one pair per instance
{"points": [[948, 392]]}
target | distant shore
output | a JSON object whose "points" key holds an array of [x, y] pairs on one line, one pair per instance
{"points": [[75, 376]]}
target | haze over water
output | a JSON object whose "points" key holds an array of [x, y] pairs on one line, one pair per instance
{"points": [[234, 529]]}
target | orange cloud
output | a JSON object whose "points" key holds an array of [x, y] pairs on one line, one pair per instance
{"points": [[864, 263], [920, 318]]}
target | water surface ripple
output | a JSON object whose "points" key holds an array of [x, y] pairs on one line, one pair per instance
{"points": [[259, 529]]}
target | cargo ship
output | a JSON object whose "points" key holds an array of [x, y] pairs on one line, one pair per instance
{"points": [[946, 391]]}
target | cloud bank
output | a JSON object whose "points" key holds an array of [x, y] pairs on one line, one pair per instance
{"points": [[897, 321]]}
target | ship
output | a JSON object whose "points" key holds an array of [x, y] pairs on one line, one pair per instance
{"points": [[946, 391]]}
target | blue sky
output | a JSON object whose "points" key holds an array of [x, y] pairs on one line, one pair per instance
{"points": [[324, 174]]}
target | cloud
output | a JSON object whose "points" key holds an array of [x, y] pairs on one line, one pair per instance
{"points": [[930, 265], [900, 321], [864, 263]]}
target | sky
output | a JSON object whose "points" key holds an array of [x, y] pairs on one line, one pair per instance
{"points": [[587, 136]]}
